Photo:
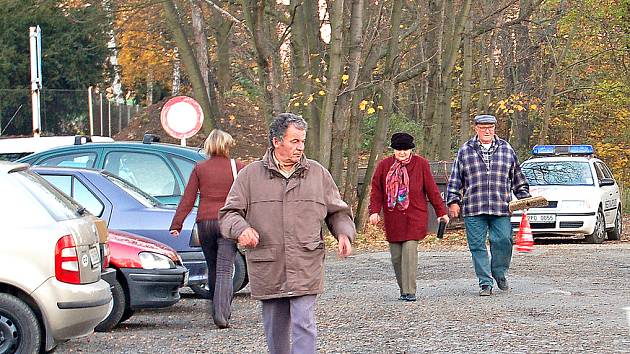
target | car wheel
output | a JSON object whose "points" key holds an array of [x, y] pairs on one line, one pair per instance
{"points": [[19, 329], [599, 234], [239, 278], [126, 315], [115, 316], [615, 233]]}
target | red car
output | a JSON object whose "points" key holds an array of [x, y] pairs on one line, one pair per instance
{"points": [[148, 274]]}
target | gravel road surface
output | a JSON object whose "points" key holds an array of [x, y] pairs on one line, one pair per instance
{"points": [[565, 297]]}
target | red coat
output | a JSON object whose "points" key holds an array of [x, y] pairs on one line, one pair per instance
{"points": [[409, 224]]}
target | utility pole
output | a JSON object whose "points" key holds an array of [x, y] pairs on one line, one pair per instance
{"points": [[35, 36]]}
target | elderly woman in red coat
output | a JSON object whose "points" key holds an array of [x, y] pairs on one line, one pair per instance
{"points": [[400, 187]]}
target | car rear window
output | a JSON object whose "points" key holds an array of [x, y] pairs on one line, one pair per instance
{"points": [[562, 173], [56, 203]]}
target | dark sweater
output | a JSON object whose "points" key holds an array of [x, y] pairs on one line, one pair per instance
{"points": [[213, 179]]}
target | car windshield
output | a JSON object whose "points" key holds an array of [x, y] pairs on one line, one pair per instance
{"points": [[561, 173], [137, 193]]}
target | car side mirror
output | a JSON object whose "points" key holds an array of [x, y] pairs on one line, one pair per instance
{"points": [[606, 182]]}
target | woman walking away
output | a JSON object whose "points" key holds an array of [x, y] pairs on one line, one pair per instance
{"points": [[212, 179], [400, 187]]}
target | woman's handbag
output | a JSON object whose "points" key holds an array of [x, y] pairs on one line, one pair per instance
{"points": [[194, 237]]}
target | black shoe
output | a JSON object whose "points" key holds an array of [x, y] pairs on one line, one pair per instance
{"points": [[486, 290], [502, 284], [410, 297], [403, 297], [221, 324]]}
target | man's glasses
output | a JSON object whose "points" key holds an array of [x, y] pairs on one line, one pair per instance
{"points": [[488, 129]]}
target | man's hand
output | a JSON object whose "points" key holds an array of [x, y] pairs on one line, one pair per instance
{"points": [[345, 248], [374, 219], [453, 209], [248, 238], [174, 233], [444, 217]]}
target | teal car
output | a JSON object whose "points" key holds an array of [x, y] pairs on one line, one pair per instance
{"points": [[160, 170]]}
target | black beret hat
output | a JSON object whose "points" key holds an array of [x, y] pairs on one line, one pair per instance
{"points": [[402, 141]]}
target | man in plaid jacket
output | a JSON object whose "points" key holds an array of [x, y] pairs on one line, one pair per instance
{"points": [[485, 174]]}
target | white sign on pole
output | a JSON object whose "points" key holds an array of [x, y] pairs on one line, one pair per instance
{"points": [[181, 117]]}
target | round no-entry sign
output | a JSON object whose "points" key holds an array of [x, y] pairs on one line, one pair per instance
{"points": [[181, 117]]}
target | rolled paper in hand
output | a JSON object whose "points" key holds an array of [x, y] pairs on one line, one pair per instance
{"points": [[526, 203]]}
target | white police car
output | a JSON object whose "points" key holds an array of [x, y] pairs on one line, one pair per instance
{"points": [[583, 196]]}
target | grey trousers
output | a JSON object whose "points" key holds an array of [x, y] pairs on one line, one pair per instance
{"points": [[219, 253], [405, 261], [290, 318]]}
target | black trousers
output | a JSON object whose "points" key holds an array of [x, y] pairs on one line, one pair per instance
{"points": [[219, 253]]}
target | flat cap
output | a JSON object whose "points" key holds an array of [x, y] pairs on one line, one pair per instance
{"points": [[485, 119]]}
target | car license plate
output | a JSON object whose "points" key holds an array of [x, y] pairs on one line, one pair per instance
{"points": [[542, 218], [95, 257], [185, 278]]}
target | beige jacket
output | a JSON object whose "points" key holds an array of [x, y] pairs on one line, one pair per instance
{"points": [[288, 216]]}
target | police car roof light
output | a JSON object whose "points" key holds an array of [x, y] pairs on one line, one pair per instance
{"points": [[550, 150]]}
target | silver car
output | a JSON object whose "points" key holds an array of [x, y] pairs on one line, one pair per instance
{"points": [[50, 285]]}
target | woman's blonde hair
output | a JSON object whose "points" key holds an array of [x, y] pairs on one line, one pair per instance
{"points": [[218, 143]]}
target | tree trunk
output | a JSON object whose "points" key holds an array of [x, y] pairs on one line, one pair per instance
{"points": [[464, 126], [434, 51], [550, 86], [190, 64], [268, 73], [149, 97], [387, 90], [332, 85], [342, 110], [314, 55], [201, 53], [177, 74], [113, 53], [223, 51], [454, 36]]}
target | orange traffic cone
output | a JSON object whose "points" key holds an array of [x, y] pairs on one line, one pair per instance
{"points": [[524, 237]]}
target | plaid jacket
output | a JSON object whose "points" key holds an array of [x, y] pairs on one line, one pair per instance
{"points": [[486, 191]]}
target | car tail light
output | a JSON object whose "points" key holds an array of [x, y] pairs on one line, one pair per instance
{"points": [[106, 256], [67, 261]]}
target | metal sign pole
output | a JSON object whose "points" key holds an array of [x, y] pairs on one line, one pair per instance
{"points": [[90, 112], [35, 36]]}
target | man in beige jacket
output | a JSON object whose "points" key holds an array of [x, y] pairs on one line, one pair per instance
{"points": [[275, 209]]}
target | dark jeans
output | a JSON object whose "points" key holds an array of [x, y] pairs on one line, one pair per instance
{"points": [[220, 253]]}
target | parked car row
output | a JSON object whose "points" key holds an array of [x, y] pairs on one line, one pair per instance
{"points": [[133, 271], [152, 178]]}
